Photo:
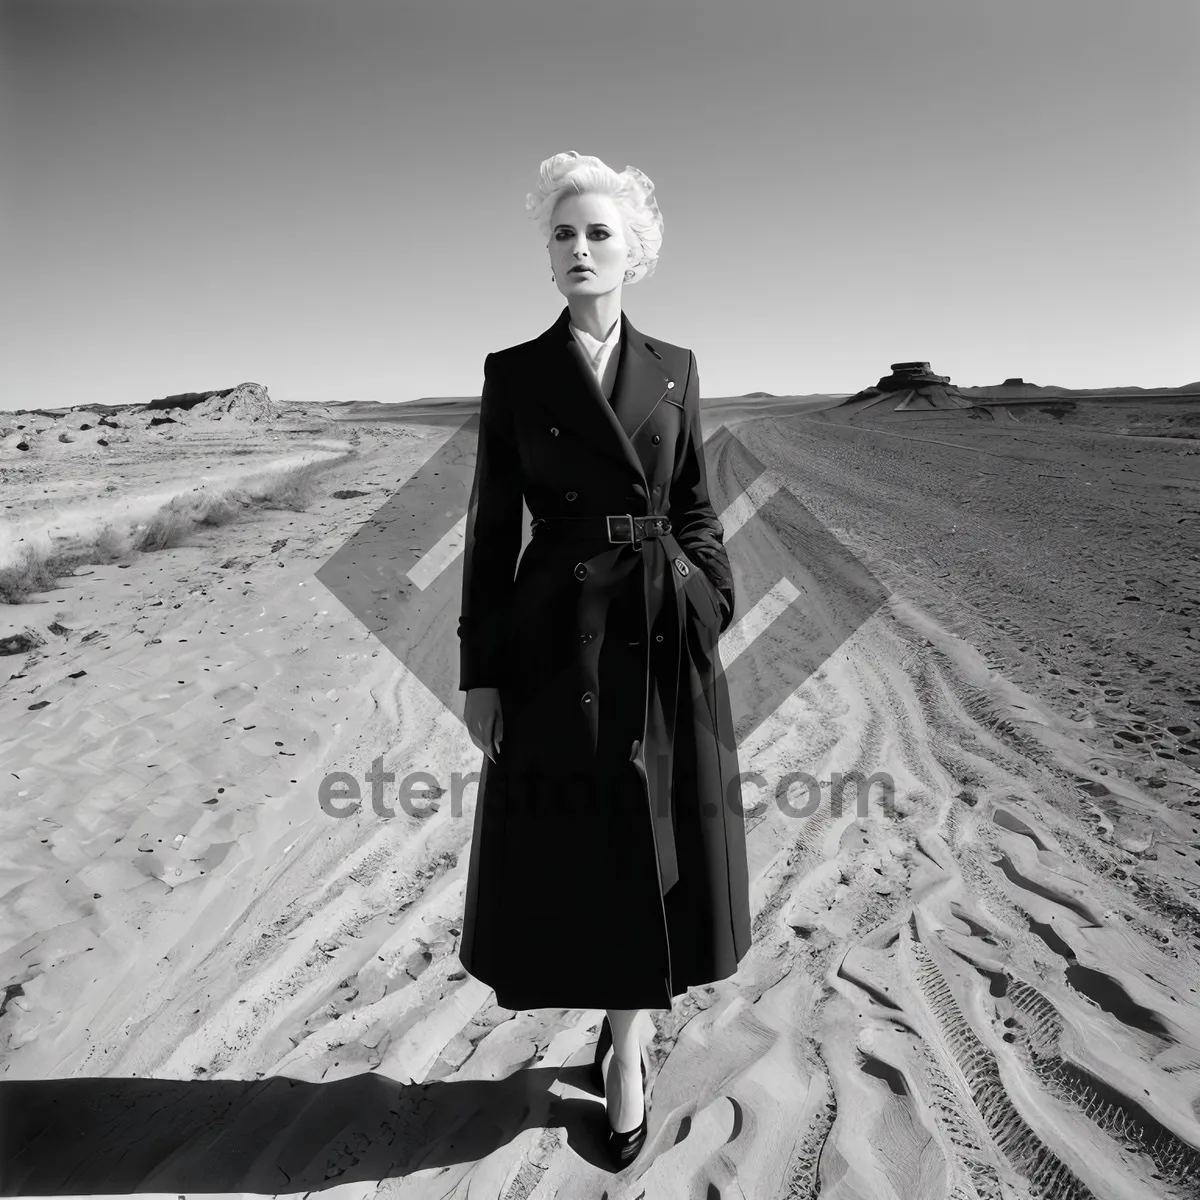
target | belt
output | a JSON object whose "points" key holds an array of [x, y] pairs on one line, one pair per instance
{"points": [[616, 527]]}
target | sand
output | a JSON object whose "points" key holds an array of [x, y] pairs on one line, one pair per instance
{"points": [[985, 989]]}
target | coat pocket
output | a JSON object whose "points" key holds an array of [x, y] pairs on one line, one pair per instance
{"points": [[702, 595]]}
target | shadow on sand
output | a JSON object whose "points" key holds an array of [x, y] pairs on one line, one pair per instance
{"points": [[117, 1135]]}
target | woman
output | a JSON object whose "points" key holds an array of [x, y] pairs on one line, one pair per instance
{"points": [[608, 860]]}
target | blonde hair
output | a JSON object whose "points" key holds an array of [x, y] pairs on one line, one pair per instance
{"points": [[631, 190]]}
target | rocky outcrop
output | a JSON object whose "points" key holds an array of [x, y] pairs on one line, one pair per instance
{"points": [[910, 375], [77, 429], [248, 401], [911, 387], [184, 400]]}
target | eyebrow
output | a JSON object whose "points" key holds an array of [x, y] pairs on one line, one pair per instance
{"points": [[593, 224]]}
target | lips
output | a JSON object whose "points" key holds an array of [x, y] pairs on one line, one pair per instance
{"points": [[580, 271]]}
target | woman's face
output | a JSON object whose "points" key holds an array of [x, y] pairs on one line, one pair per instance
{"points": [[586, 231]]}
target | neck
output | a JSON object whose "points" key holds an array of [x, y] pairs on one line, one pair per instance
{"points": [[596, 314]]}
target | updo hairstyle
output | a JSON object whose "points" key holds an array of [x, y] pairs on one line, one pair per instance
{"points": [[631, 190]]}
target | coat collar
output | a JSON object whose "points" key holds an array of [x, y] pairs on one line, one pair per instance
{"points": [[577, 401]]}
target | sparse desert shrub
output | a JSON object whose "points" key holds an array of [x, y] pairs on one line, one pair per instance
{"points": [[226, 507], [292, 489], [173, 523], [109, 544], [35, 570], [29, 572]]}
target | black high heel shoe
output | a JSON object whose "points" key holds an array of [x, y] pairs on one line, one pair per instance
{"points": [[603, 1046], [622, 1148]]}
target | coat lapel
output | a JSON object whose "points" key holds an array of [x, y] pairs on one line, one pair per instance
{"points": [[577, 401]]}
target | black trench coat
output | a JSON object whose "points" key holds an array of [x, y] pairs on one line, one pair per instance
{"points": [[608, 859]]}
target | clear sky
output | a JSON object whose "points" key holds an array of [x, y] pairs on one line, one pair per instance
{"points": [[329, 200]]}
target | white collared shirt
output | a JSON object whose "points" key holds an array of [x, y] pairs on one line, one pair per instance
{"points": [[600, 355]]}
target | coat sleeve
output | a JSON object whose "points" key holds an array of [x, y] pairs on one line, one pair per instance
{"points": [[492, 542], [696, 526]]}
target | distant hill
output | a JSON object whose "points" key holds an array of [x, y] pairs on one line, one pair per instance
{"points": [[1016, 389], [913, 386]]}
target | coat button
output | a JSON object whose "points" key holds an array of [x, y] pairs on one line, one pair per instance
{"points": [[670, 383], [586, 698], [655, 440], [580, 571], [572, 495], [681, 566], [554, 431], [658, 637], [586, 637]]}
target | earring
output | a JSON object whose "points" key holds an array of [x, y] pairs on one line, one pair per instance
{"points": [[629, 275]]}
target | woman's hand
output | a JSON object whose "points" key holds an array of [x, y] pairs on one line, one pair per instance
{"points": [[485, 721]]}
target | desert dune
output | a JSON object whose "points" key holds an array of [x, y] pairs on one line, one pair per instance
{"points": [[982, 985]]}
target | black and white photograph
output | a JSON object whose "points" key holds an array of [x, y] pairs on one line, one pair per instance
{"points": [[600, 601]]}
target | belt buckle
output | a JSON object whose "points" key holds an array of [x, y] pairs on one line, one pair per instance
{"points": [[620, 517]]}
